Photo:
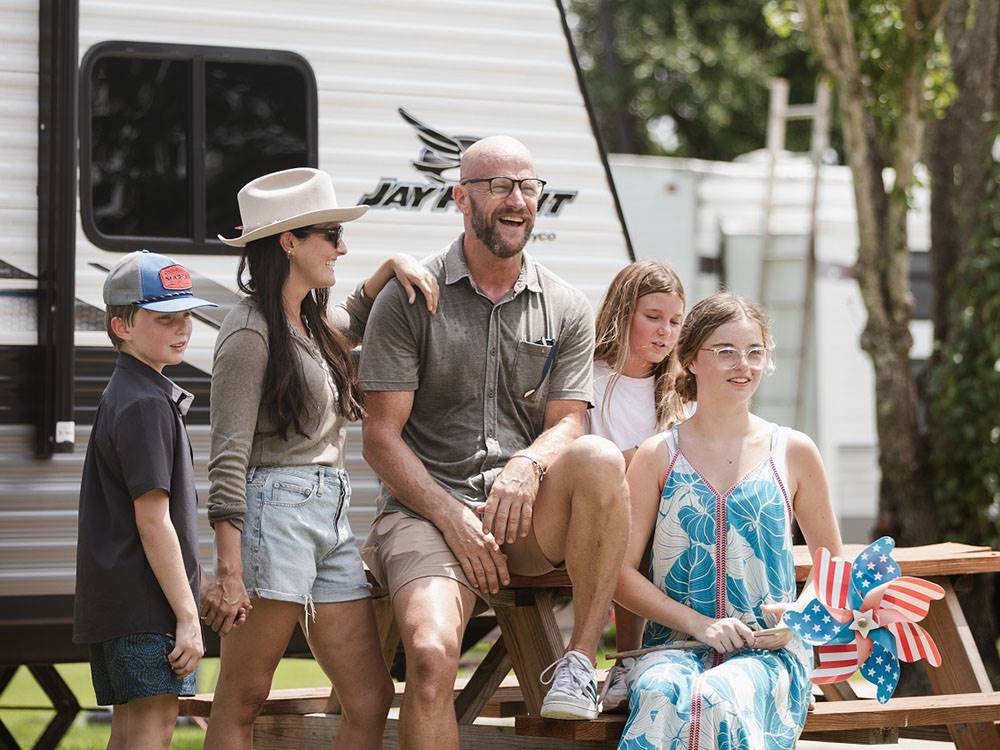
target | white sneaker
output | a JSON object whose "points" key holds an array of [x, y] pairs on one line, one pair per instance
{"points": [[614, 693], [573, 694]]}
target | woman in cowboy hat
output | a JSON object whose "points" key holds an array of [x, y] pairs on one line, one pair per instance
{"points": [[283, 390]]}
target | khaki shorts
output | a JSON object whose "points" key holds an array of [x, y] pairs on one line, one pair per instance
{"points": [[401, 548]]}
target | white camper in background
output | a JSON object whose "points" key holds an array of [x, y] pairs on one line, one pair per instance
{"points": [[707, 220], [132, 124]]}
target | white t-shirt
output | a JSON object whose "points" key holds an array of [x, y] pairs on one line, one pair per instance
{"points": [[628, 416]]}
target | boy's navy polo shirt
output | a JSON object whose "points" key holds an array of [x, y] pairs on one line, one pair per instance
{"points": [[138, 444]]}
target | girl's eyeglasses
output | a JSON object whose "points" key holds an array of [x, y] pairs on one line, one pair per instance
{"points": [[730, 357]]}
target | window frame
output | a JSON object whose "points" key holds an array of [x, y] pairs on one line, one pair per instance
{"points": [[197, 56]]}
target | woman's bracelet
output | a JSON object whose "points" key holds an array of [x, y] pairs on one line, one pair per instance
{"points": [[534, 462]]}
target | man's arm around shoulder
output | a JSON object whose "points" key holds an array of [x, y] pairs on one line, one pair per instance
{"points": [[163, 550]]}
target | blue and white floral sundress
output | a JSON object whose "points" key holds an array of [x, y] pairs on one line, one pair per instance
{"points": [[723, 555]]}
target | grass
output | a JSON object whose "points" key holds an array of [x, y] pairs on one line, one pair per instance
{"points": [[27, 724]]}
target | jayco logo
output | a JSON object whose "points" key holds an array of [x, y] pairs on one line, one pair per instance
{"points": [[439, 160]]}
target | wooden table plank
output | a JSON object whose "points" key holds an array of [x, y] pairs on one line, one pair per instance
{"points": [[831, 716], [947, 558], [916, 711], [314, 700], [318, 731]]}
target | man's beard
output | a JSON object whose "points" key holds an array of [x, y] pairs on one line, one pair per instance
{"points": [[487, 233]]}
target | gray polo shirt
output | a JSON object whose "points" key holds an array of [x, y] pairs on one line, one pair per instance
{"points": [[476, 368]]}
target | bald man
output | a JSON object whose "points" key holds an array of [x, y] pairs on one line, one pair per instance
{"points": [[474, 427]]}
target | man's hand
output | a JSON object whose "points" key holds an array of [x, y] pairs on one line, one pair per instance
{"points": [[726, 635], [188, 648], [508, 509], [224, 601], [477, 551]]}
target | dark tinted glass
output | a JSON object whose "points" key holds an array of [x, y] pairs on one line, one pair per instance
{"points": [[139, 147], [255, 123]]}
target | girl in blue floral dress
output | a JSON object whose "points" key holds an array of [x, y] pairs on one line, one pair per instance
{"points": [[714, 499]]}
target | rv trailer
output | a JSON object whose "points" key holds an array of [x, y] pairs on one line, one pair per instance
{"points": [[132, 124]]}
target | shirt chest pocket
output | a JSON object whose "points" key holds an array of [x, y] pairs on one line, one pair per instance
{"points": [[530, 377]]}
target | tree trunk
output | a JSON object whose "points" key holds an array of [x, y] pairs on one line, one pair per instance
{"points": [[906, 508], [958, 159], [959, 145], [621, 123]]}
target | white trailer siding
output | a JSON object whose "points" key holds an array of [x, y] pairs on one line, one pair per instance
{"points": [[469, 68], [466, 68]]}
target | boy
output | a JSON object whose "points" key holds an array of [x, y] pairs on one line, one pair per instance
{"points": [[137, 574]]}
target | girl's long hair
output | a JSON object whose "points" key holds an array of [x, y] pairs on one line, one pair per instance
{"points": [[286, 397], [614, 320]]}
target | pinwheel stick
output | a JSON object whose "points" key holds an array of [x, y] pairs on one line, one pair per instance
{"points": [[769, 638]]}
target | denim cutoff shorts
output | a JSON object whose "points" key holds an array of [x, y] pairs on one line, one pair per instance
{"points": [[297, 542], [135, 666]]}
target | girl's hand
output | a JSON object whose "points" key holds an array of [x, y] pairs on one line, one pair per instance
{"points": [[413, 275], [725, 635], [774, 612]]}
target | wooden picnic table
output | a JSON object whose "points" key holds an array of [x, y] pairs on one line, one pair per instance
{"points": [[530, 640], [962, 670]]}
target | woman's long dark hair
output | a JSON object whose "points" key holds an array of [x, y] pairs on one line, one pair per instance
{"points": [[285, 395]]}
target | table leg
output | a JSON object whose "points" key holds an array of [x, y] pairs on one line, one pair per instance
{"points": [[483, 683], [533, 639], [63, 701], [962, 669]]}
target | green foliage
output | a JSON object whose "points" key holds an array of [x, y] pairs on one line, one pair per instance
{"points": [[703, 65], [964, 391], [889, 51]]}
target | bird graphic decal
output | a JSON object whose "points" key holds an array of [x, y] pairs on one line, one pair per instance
{"points": [[441, 152]]}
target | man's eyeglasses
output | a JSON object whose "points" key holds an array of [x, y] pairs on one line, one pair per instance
{"points": [[531, 187], [334, 235], [730, 357]]}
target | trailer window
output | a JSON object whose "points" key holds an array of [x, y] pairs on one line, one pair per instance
{"points": [[169, 133]]}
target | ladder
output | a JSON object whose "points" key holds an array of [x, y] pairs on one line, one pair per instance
{"points": [[800, 312]]}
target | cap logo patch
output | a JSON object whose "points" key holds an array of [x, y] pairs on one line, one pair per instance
{"points": [[175, 277]]}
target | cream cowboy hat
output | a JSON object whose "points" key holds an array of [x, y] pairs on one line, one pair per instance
{"points": [[290, 199]]}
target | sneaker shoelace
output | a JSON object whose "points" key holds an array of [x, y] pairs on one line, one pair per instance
{"points": [[570, 673], [615, 677]]}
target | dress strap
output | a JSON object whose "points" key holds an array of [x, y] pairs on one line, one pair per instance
{"points": [[779, 461], [670, 438]]}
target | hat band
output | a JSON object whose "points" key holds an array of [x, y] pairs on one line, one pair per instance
{"points": [[161, 297]]}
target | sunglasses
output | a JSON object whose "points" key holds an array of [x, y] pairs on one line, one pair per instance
{"points": [[333, 236]]}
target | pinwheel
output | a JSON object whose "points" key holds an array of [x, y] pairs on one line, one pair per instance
{"points": [[865, 615]]}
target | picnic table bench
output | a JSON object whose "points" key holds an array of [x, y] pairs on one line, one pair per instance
{"points": [[963, 706]]}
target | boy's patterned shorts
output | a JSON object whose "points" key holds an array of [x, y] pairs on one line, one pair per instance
{"points": [[136, 666]]}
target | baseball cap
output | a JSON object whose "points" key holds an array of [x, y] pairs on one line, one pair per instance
{"points": [[153, 282]]}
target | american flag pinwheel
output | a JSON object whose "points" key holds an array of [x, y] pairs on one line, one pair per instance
{"points": [[865, 616]]}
